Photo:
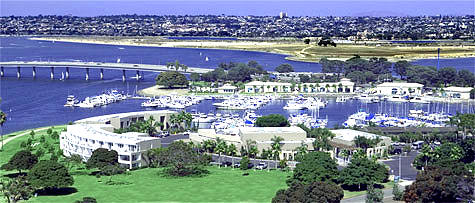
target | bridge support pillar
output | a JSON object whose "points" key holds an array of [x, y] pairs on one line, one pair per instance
{"points": [[123, 75], [52, 73], [2, 73], [34, 72], [87, 73], [18, 73], [102, 74], [137, 74], [67, 72]]}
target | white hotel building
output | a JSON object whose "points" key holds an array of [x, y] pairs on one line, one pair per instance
{"points": [[87, 135]]}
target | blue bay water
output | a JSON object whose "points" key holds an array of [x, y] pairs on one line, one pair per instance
{"points": [[39, 102]]}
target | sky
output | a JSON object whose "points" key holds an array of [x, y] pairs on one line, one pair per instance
{"points": [[233, 7]]}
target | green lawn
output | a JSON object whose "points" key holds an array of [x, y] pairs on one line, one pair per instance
{"points": [[146, 185]]}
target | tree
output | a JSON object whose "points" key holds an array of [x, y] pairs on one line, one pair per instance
{"points": [[447, 75], [102, 157], [231, 150], [314, 166], [187, 118], [276, 147], [306, 41], [73, 160], [181, 160], [171, 78], [272, 120], [322, 138], [451, 183], [220, 148], [400, 68], [284, 68], [374, 195], [361, 172], [398, 194], [313, 192], [49, 175], [111, 170], [304, 78], [16, 189], [244, 163], [22, 160], [150, 126], [195, 77]]}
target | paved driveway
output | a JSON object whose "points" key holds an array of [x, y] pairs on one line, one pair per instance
{"points": [[407, 171]]}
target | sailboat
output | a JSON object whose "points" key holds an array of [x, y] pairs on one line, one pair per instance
{"points": [[62, 76], [118, 60], [206, 59]]}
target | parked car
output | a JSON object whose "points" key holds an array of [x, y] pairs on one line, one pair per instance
{"points": [[249, 166], [261, 166], [226, 163]]}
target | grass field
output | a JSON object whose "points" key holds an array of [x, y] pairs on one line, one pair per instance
{"points": [[146, 185]]}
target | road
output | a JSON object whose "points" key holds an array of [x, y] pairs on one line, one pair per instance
{"points": [[121, 66], [407, 171], [19, 135]]}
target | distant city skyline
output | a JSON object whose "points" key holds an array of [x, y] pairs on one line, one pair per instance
{"points": [[242, 8]]}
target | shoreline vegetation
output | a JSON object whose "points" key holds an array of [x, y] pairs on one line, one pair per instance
{"points": [[296, 50]]}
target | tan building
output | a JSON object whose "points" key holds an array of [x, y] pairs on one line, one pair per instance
{"points": [[293, 137], [344, 140], [344, 86]]}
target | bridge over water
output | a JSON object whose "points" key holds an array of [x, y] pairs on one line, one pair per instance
{"points": [[96, 65]]}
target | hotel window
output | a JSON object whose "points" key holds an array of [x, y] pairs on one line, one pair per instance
{"points": [[110, 144], [93, 141], [132, 147], [101, 142], [121, 145]]}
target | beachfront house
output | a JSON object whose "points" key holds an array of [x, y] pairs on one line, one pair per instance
{"points": [[458, 92], [343, 86], [399, 88]]}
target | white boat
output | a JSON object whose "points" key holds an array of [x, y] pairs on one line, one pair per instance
{"points": [[206, 59], [396, 98], [71, 101], [420, 100], [341, 99]]}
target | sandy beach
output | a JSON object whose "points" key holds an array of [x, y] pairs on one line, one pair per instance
{"points": [[158, 91], [296, 50]]}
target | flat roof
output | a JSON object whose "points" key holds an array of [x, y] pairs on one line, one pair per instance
{"points": [[349, 135], [400, 84], [458, 89], [292, 129], [95, 132], [105, 118]]}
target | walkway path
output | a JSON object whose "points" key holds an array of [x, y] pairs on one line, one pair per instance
{"points": [[19, 135], [388, 197]]}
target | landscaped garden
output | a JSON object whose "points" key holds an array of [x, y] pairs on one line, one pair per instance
{"points": [[146, 184]]}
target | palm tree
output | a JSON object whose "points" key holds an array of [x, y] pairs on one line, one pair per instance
{"points": [[276, 148], [209, 145], [312, 88], [334, 87], [231, 150], [249, 146], [220, 148], [327, 87], [253, 151], [177, 65], [340, 87], [150, 126], [318, 87], [302, 149]]}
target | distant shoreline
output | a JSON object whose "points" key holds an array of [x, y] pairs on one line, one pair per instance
{"points": [[294, 50]]}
